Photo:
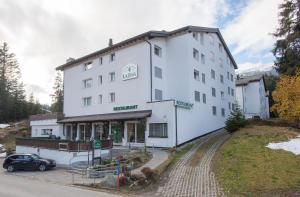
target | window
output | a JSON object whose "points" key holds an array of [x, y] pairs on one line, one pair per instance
{"points": [[158, 130], [112, 76], [100, 98], [213, 74], [232, 106], [229, 106], [204, 98], [231, 77], [112, 97], [212, 56], [197, 96], [203, 78], [202, 38], [112, 57], [221, 78], [87, 83], [221, 62], [196, 54], [100, 60], [196, 75], [87, 101], [220, 47], [202, 58], [228, 90], [158, 72], [211, 39], [158, 95], [88, 66], [222, 95], [228, 75], [232, 92], [195, 35], [223, 112], [214, 110], [100, 79], [157, 50], [46, 132], [213, 92]]}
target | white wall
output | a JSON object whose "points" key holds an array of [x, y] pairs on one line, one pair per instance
{"points": [[252, 100], [162, 112], [38, 125], [61, 157], [130, 92]]}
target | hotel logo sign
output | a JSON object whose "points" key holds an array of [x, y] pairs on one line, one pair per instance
{"points": [[130, 71], [184, 105]]}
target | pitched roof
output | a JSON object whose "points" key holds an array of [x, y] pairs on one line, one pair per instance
{"points": [[245, 80], [54, 115], [149, 35]]}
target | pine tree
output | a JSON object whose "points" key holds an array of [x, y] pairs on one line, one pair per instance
{"points": [[57, 96], [12, 94], [236, 119], [287, 46]]}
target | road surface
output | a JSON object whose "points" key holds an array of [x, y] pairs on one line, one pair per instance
{"points": [[17, 186]]}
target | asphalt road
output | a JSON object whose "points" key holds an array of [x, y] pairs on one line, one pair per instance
{"points": [[18, 186]]}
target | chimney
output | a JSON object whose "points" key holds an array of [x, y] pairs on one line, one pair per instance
{"points": [[70, 59], [110, 42]]}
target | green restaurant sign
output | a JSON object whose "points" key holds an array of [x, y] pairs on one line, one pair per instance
{"points": [[127, 107], [184, 105]]}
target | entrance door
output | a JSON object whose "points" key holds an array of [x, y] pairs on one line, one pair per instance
{"points": [[117, 132], [98, 131], [135, 132], [131, 132], [68, 131]]}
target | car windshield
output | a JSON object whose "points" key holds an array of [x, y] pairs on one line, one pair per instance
{"points": [[34, 156]]}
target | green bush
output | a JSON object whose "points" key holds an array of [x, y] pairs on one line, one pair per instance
{"points": [[236, 120]]}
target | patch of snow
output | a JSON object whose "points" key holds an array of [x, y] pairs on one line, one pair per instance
{"points": [[2, 155], [2, 126], [292, 145]]}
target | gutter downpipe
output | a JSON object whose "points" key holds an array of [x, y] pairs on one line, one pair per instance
{"points": [[176, 138], [150, 69]]}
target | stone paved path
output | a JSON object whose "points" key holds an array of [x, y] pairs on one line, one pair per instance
{"points": [[187, 181]]}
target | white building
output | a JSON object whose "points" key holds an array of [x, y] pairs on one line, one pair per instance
{"points": [[252, 96], [159, 88]]}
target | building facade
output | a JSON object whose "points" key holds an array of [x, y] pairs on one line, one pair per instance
{"points": [[156, 89], [252, 96]]}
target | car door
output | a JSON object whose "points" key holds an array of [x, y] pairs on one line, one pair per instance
{"points": [[17, 162], [28, 162]]}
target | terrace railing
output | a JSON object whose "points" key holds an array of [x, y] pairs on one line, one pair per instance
{"points": [[58, 144]]}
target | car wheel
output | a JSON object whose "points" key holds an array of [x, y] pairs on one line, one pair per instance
{"points": [[10, 168], [42, 167]]}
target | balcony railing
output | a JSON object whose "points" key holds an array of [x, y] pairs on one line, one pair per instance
{"points": [[63, 145]]}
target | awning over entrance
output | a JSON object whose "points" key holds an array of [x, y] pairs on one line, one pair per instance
{"points": [[111, 116]]}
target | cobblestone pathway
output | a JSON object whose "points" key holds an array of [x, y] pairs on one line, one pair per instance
{"points": [[185, 180]]}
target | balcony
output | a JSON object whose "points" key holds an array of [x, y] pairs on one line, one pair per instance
{"points": [[62, 145]]}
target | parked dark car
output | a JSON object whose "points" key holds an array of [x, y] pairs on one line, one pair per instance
{"points": [[27, 162]]}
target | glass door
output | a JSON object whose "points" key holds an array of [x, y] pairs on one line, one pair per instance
{"points": [[117, 132], [131, 132]]}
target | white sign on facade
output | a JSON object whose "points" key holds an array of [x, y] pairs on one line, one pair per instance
{"points": [[130, 71]]}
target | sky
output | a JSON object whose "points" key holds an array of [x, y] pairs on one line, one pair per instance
{"points": [[44, 33]]}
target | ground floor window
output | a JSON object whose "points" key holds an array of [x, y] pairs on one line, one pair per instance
{"points": [[158, 130], [46, 131]]}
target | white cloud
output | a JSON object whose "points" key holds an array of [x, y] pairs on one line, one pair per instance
{"points": [[251, 30], [258, 66], [43, 33]]}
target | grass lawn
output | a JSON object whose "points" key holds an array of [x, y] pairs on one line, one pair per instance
{"points": [[245, 167]]}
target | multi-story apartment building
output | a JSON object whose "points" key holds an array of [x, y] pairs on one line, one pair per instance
{"points": [[159, 88], [252, 96]]}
